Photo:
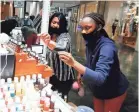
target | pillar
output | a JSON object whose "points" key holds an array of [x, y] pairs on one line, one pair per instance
{"points": [[45, 21], [33, 8]]}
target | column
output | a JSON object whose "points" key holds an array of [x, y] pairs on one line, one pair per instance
{"points": [[38, 8], [21, 12], [45, 21], [33, 8]]}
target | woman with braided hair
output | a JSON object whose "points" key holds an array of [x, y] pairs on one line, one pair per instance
{"points": [[102, 71]]}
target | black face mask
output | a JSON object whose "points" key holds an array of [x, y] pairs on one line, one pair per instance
{"points": [[91, 37], [54, 31]]}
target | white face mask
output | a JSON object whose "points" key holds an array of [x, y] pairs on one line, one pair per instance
{"points": [[26, 17]]}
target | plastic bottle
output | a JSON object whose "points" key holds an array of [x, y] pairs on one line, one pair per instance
{"points": [[42, 83], [10, 103], [39, 77], [7, 96], [28, 78], [49, 93], [18, 89], [22, 80], [5, 109], [24, 101], [42, 99], [20, 108], [12, 90], [5, 89], [46, 107], [17, 103], [52, 102], [9, 81], [23, 85], [15, 81], [13, 109], [24, 89], [2, 104], [34, 78], [56, 108], [65, 98], [2, 82]]}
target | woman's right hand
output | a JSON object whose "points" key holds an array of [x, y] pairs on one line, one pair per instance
{"points": [[45, 37]]}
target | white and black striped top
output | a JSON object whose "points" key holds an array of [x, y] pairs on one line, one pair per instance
{"points": [[62, 71], [37, 22]]}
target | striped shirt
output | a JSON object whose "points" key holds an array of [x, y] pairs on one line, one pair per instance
{"points": [[37, 22], [62, 71]]}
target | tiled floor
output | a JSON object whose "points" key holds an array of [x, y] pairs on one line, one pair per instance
{"points": [[129, 65]]}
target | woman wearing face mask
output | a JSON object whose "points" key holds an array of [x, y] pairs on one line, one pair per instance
{"points": [[59, 39], [102, 71]]}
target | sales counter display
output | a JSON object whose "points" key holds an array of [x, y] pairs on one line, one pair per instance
{"points": [[30, 94], [28, 89]]}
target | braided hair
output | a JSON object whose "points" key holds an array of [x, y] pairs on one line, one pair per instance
{"points": [[100, 23]]}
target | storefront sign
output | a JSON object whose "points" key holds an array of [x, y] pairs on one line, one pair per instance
{"points": [[19, 4]]}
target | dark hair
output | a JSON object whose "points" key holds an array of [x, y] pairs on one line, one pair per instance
{"points": [[62, 22], [26, 13], [8, 25], [99, 19], [32, 17]]}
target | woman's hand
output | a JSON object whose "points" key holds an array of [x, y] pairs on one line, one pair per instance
{"points": [[67, 58], [51, 45], [45, 37]]}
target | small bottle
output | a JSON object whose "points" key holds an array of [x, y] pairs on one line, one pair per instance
{"points": [[13, 109], [28, 78], [12, 90], [39, 77], [42, 99], [10, 103], [24, 89], [5, 109], [22, 79], [17, 102], [5, 90], [36, 57], [52, 103], [49, 93], [24, 101], [34, 78], [20, 108], [41, 85], [7, 96], [46, 107], [1, 96], [9, 81], [56, 108], [18, 89], [15, 81], [2, 82], [2, 104], [65, 98]]}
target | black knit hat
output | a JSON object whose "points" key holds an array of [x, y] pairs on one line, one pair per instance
{"points": [[98, 18]]}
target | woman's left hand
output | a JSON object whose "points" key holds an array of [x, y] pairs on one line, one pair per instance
{"points": [[67, 58]]}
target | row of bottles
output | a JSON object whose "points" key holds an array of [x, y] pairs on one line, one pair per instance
{"points": [[27, 94]]}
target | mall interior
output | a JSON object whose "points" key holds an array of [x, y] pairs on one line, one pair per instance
{"points": [[25, 70]]}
